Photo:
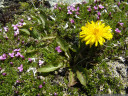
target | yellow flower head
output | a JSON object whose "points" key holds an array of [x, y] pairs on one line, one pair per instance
{"points": [[31, 28], [95, 32]]}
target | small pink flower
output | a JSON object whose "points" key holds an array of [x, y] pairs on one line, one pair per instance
{"points": [[77, 13], [98, 13], [11, 55], [22, 57], [29, 60], [78, 8], [118, 3], [110, 13], [18, 54], [98, 18], [89, 9], [4, 55], [20, 68], [15, 27], [20, 24], [11, 63], [55, 6], [95, 8], [22, 20], [121, 24], [69, 12], [16, 50], [100, 6], [117, 30], [2, 58], [40, 62], [40, 86], [58, 49], [6, 29], [59, 8], [72, 21], [4, 74]]}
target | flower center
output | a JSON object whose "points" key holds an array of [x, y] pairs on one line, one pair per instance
{"points": [[95, 31]]}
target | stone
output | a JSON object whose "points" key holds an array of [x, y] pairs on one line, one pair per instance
{"points": [[53, 2]]}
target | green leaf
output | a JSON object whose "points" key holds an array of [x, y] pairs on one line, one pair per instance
{"points": [[25, 31], [34, 33], [64, 46], [62, 43], [48, 37], [81, 77], [71, 78], [50, 67]]}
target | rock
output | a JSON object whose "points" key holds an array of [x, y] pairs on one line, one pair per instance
{"points": [[119, 70], [53, 2]]}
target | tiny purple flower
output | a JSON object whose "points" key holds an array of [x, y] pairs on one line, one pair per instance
{"points": [[40, 62], [4, 55], [69, 12], [72, 21], [100, 6], [55, 6], [98, 13], [6, 38], [55, 94], [11, 63], [22, 57], [29, 60], [18, 54], [84, 2], [40, 86], [2, 58], [6, 29], [89, 9], [117, 30], [15, 27], [17, 81], [20, 24], [121, 24], [78, 8], [58, 49], [22, 42], [4, 74], [95, 8], [77, 13], [22, 20], [11, 55], [110, 13], [118, 3], [16, 50], [98, 18], [18, 39], [20, 68], [95, 1], [59, 8], [43, 83]]}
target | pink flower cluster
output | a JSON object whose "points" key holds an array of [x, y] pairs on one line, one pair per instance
{"points": [[17, 26], [58, 49], [117, 29], [72, 8], [15, 53]]}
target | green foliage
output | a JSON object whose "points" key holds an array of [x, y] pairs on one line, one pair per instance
{"points": [[86, 71]]}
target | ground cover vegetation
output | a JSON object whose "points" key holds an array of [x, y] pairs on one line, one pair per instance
{"points": [[63, 50]]}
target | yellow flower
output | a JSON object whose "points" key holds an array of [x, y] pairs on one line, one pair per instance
{"points": [[31, 28], [95, 32]]}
